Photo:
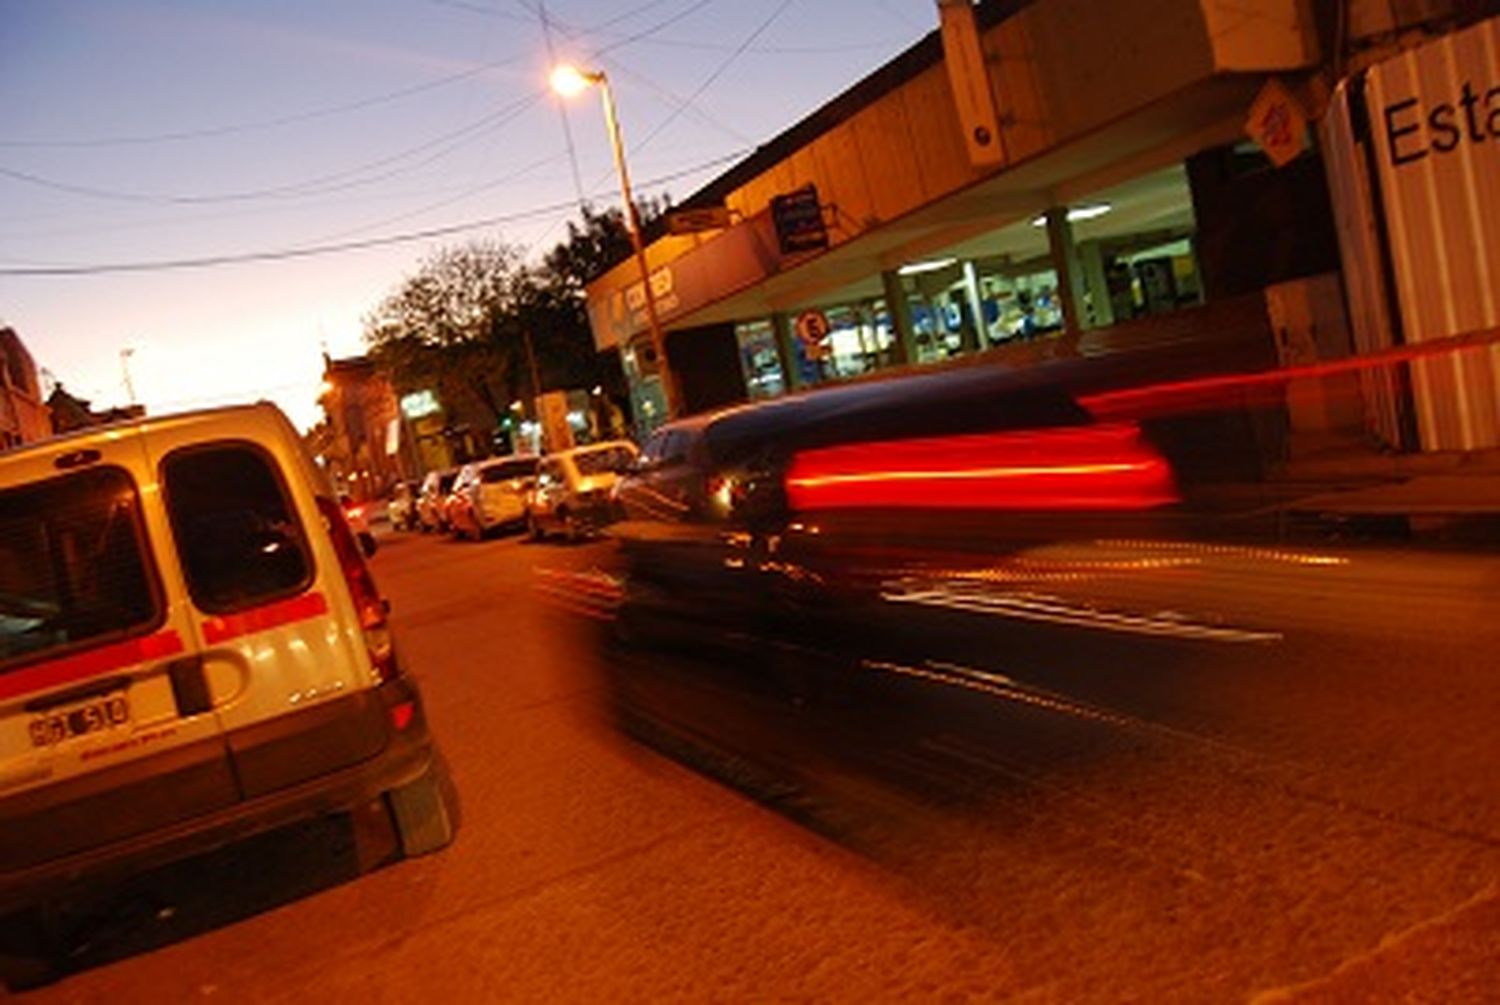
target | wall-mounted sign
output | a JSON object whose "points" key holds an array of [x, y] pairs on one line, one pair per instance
{"points": [[693, 221], [799, 221], [419, 404], [1277, 123]]}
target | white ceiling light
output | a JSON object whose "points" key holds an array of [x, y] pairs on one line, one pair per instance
{"points": [[917, 268], [1077, 214]]}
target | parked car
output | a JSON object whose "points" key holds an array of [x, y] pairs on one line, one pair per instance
{"points": [[402, 507], [432, 499], [574, 492], [488, 495], [184, 667]]}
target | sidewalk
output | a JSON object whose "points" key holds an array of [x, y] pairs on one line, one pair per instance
{"points": [[1363, 481]]}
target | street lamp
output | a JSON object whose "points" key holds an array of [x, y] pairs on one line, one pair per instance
{"points": [[568, 81]]}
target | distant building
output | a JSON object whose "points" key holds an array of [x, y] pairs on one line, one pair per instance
{"points": [[361, 440], [23, 414], [70, 412]]}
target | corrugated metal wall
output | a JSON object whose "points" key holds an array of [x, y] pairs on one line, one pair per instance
{"points": [[1434, 117]]}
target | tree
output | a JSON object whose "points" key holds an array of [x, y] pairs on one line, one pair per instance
{"points": [[445, 328]]}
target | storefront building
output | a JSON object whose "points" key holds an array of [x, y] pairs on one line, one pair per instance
{"points": [[1034, 178]]}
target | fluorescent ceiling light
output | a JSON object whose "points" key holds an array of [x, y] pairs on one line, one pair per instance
{"points": [[1078, 213], [916, 268]]}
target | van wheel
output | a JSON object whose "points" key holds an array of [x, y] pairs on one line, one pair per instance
{"points": [[426, 812]]}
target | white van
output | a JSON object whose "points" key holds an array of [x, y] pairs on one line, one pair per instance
{"points": [[192, 650]]}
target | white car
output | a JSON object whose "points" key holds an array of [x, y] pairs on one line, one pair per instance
{"points": [[574, 491], [488, 495]]}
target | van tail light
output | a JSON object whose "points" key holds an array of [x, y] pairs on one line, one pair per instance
{"points": [[1100, 467], [369, 605]]}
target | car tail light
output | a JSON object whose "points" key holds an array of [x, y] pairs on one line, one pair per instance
{"points": [[1101, 467], [369, 605]]}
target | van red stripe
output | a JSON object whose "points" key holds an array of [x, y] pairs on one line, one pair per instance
{"points": [[93, 663], [221, 629]]}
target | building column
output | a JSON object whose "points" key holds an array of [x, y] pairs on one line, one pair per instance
{"points": [[898, 307], [976, 308], [1096, 281], [786, 352], [1069, 274]]}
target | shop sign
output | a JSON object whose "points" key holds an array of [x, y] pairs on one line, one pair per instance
{"points": [[813, 329], [694, 221], [419, 404], [799, 221], [1277, 123], [663, 289]]}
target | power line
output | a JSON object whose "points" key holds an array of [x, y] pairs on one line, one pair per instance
{"points": [[311, 251], [717, 73], [307, 187], [562, 108], [209, 132]]}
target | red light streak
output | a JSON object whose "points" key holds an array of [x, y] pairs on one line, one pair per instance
{"points": [[1106, 467], [1263, 388]]}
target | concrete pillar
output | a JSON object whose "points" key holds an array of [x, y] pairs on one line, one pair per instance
{"points": [[1069, 274], [975, 339], [899, 308], [786, 352], [1096, 282]]}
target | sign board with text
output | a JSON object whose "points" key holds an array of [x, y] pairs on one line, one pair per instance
{"points": [[1413, 152], [695, 221], [799, 221]]}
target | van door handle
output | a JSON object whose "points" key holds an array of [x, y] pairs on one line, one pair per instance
{"points": [[189, 685]]}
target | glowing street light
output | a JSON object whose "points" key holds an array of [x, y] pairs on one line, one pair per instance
{"points": [[569, 81]]}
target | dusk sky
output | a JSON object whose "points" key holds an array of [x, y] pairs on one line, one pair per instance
{"points": [[141, 132]]}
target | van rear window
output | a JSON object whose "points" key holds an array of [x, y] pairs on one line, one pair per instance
{"points": [[74, 567], [240, 540]]}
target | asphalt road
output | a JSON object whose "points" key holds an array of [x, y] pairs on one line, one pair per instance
{"points": [[590, 867]]}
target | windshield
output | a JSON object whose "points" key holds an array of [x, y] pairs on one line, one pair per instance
{"points": [[603, 461]]}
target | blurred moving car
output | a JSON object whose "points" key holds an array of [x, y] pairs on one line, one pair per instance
{"points": [[574, 491], [985, 567], [669, 479], [432, 499], [402, 508], [181, 669], [489, 495]]}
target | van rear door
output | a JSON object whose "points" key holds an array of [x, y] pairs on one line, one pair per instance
{"points": [[284, 659], [104, 728]]}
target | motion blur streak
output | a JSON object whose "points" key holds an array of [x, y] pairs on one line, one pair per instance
{"points": [[593, 594], [999, 686], [1230, 551], [1093, 467], [1264, 389], [1031, 607]]}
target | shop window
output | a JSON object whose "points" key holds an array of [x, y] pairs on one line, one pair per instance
{"points": [[760, 361]]}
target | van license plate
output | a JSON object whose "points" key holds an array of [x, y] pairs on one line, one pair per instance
{"points": [[96, 715]]}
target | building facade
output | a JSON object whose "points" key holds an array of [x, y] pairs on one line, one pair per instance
{"points": [[1032, 179], [363, 441], [23, 414]]}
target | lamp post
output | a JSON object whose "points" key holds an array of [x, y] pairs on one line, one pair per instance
{"points": [[568, 81]]}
